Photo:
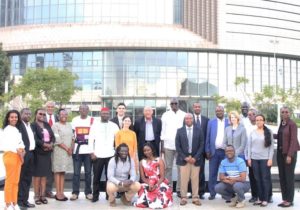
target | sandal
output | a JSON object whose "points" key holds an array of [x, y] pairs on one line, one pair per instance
{"points": [[44, 200], [196, 202], [264, 204]]}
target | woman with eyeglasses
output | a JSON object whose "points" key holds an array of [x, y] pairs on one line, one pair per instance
{"points": [[260, 155], [14, 152], [44, 138], [287, 148]]}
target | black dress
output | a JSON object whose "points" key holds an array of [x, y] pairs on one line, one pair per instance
{"points": [[42, 158]]}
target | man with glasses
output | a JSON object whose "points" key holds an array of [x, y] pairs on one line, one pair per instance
{"points": [[171, 121]]}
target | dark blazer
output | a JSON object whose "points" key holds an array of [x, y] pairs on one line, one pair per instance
{"points": [[38, 136], [290, 144], [24, 134], [204, 122], [182, 146], [211, 135], [140, 130], [116, 120]]}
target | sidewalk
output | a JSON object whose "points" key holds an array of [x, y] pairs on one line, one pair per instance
{"points": [[217, 204]]}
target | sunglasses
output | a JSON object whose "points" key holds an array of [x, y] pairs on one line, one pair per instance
{"points": [[173, 103]]}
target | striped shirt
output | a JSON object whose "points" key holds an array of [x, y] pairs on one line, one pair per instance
{"points": [[233, 169]]}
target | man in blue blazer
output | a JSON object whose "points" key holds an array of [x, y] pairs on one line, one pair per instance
{"points": [[213, 147], [190, 147]]}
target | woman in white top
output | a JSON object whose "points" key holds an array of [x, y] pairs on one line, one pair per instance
{"points": [[13, 148]]}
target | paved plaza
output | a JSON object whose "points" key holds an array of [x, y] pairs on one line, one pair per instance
{"points": [[102, 204]]}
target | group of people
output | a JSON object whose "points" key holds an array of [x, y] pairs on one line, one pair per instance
{"points": [[139, 158]]}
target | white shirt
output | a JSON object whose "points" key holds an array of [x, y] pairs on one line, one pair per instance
{"points": [[189, 129], [79, 122], [249, 128], [220, 133], [120, 119], [12, 139], [52, 118], [30, 136], [171, 121], [102, 138]]}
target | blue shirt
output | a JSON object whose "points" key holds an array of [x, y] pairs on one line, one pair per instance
{"points": [[233, 169]]}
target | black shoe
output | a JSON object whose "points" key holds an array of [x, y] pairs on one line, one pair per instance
{"points": [[201, 197], [61, 199], [270, 200], [26, 204], [95, 199], [178, 194], [118, 195], [252, 200], [227, 201], [211, 197]]}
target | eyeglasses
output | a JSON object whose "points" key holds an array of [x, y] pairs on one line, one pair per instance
{"points": [[173, 103], [284, 112], [42, 114]]}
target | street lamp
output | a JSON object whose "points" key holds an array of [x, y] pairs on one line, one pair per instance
{"points": [[276, 42]]}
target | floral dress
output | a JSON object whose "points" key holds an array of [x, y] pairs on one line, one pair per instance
{"points": [[161, 197]]}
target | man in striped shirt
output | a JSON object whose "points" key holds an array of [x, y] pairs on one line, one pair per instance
{"points": [[232, 175]]}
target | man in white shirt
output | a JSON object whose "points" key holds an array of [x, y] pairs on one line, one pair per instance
{"points": [[121, 111], [50, 118], [171, 121], [101, 145], [81, 154], [26, 170]]}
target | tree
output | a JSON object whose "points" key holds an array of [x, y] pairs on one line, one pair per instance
{"points": [[230, 104], [4, 72], [40, 85], [240, 83]]}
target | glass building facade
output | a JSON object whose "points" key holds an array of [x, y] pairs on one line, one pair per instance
{"points": [[142, 77], [25, 12]]}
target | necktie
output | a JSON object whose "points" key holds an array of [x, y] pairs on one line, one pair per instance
{"points": [[50, 120], [190, 138], [198, 121]]}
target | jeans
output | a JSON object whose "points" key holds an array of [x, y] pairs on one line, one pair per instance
{"points": [[262, 174], [238, 188], [80, 159], [214, 164]]}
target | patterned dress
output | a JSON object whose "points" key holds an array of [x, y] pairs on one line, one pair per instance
{"points": [[161, 197], [61, 161]]}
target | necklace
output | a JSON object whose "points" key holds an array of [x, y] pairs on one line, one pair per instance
{"points": [[283, 123]]}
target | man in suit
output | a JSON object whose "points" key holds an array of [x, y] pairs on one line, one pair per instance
{"points": [[121, 111], [200, 122], [189, 146], [148, 129], [213, 147], [50, 118], [26, 170]]}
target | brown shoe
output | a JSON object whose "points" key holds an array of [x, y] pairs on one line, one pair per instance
{"points": [[197, 202], [113, 203], [125, 201], [183, 202]]}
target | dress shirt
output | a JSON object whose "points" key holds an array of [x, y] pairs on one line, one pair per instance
{"points": [[30, 136], [171, 121], [120, 119], [52, 118], [102, 138], [149, 135], [189, 132], [12, 139], [117, 172], [220, 133], [197, 117]]}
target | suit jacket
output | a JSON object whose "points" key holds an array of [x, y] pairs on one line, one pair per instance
{"points": [[140, 130], [238, 139], [39, 137], [116, 120], [290, 144], [211, 135], [182, 146], [25, 137]]}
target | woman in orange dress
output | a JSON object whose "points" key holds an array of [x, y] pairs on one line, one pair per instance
{"points": [[128, 137]]}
